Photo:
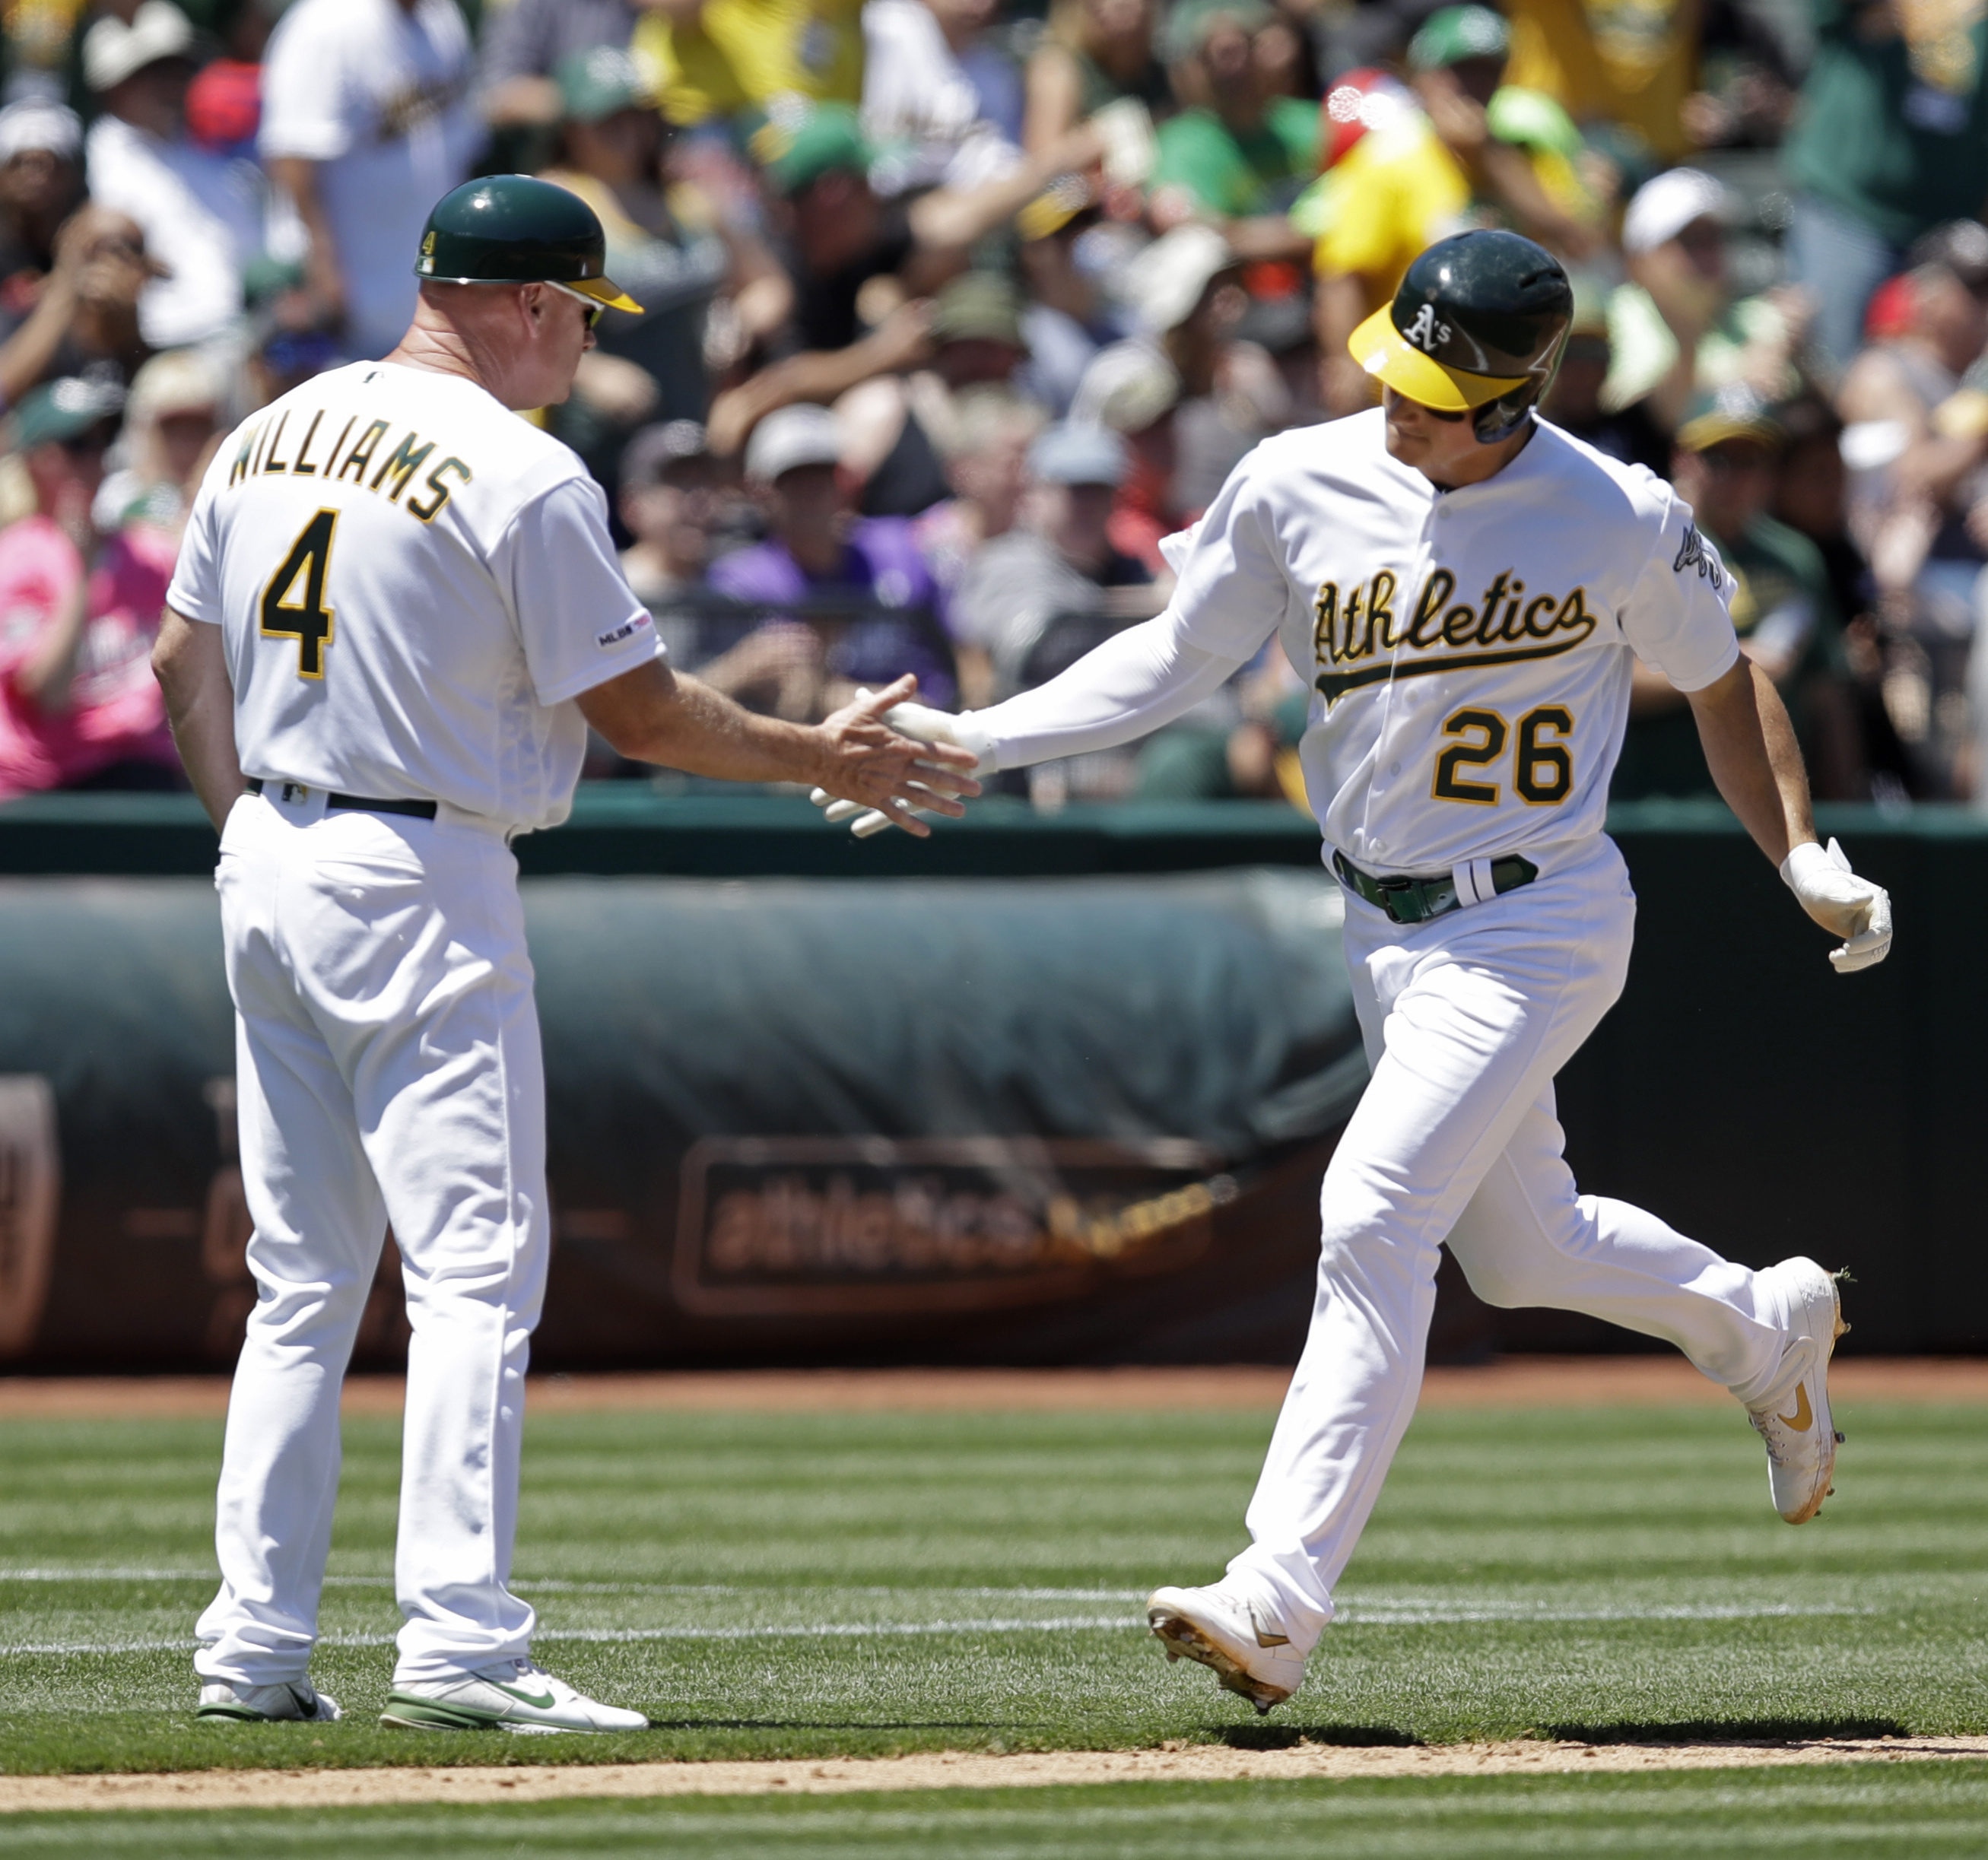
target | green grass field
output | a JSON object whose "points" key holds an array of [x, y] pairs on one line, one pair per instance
{"points": [[797, 1584]]}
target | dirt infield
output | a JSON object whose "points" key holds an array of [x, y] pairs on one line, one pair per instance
{"points": [[1514, 1382], [843, 1776]]}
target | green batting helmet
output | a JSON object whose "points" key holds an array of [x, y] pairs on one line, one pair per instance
{"points": [[512, 229], [1477, 326]]}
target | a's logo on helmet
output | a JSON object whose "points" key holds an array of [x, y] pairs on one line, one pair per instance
{"points": [[1426, 333]]}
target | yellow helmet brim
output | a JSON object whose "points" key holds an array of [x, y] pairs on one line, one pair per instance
{"points": [[603, 290], [1378, 347]]}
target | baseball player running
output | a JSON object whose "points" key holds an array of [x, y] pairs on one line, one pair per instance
{"points": [[1466, 587], [397, 610]]}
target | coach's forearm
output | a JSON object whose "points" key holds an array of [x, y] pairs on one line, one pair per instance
{"points": [[702, 732], [1751, 748], [1118, 691], [190, 664]]}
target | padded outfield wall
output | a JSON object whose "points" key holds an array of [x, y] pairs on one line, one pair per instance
{"points": [[1040, 1089]]}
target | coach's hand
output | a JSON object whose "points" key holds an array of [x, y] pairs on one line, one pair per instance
{"points": [[878, 769], [928, 726], [1845, 905]]}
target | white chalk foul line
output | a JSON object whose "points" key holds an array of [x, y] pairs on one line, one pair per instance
{"points": [[1370, 1615]]}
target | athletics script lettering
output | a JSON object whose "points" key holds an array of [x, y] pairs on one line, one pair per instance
{"points": [[773, 1225]]}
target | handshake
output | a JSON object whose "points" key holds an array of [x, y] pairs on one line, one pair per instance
{"points": [[927, 787]]}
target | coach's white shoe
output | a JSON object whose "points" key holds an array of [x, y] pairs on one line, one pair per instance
{"points": [[1225, 1628], [515, 1696], [1793, 1417], [295, 1701]]}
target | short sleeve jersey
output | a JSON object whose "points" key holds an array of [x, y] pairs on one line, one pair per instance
{"points": [[1469, 650], [412, 582]]}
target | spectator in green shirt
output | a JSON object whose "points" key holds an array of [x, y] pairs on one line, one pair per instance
{"points": [[1891, 141], [1236, 155], [1728, 451]]}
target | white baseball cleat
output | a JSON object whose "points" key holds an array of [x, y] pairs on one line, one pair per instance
{"points": [[293, 1701], [514, 1696], [1222, 1627], [1793, 1419]]}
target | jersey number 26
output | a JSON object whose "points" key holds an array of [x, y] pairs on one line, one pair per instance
{"points": [[1542, 766], [293, 604]]}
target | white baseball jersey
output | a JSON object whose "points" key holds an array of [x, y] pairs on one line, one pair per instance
{"points": [[414, 583], [1469, 650]]}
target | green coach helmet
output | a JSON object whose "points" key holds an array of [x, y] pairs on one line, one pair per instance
{"points": [[1477, 326], [512, 229]]}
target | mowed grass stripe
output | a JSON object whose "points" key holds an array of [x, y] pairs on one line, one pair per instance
{"points": [[1921, 1811], [799, 1584]]}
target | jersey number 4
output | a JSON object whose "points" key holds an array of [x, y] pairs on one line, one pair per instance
{"points": [[1543, 767], [293, 604]]}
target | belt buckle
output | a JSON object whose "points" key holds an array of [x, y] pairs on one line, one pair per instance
{"points": [[1393, 890], [295, 792]]}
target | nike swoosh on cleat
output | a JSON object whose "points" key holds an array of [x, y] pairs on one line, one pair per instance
{"points": [[1803, 1418], [544, 1703]]}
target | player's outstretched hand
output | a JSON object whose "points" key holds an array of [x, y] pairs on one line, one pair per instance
{"points": [[928, 726], [1845, 905], [873, 766]]}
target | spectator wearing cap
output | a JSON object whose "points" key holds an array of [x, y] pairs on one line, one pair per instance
{"points": [[669, 240], [224, 103], [1724, 468], [862, 578], [1133, 390], [1038, 597], [1889, 141], [1606, 66], [1424, 166], [366, 124], [1237, 155], [896, 429], [78, 706], [41, 185], [1674, 330], [521, 47], [85, 319], [933, 105], [841, 242], [203, 215], [173, 422], [987, 450], [1094, 53]]}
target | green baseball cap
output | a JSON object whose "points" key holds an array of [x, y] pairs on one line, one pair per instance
{"points": [[64, 409], [513, 229], [1190, 24], [1734, 411], [980, 305], [600, 81], [828, 140], [1455, 35]]}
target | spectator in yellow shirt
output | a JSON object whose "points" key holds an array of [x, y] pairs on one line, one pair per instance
{"points": [[1429, 164], [719, 58], [1633, 62]]}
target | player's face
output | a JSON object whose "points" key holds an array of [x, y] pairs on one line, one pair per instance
{"points": [[1443, 447]]}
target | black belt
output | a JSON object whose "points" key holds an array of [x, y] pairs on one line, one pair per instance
{"points": [[1416, 901], [296, 791]]}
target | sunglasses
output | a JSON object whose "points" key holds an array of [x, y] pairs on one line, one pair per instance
{"points": [[595, 311]]}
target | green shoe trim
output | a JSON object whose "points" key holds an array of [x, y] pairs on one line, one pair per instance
{"points": [[232, 1714], [409, 1712]]}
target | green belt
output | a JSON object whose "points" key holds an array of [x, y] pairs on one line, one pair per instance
{"points": [[1416, 901]]}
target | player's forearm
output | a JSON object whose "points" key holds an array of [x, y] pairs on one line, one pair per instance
{"points": [[1751, 748], [190, 664], [1117, 692]]}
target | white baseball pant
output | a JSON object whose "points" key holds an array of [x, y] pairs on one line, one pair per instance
{"points": [[1466, 1020], [387, 1070]]}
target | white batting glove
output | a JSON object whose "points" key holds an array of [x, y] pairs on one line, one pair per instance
{"points": [[1845, 905], [925, 724]]}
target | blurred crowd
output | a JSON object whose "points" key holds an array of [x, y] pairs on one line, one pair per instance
{"points": [[952, 308]]}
